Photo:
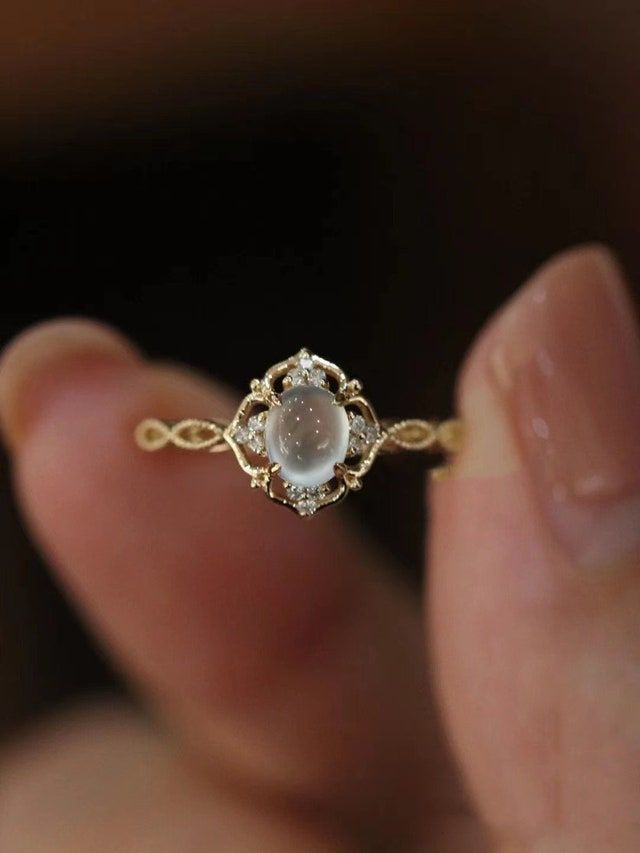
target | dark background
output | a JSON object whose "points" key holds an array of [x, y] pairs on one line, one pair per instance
{"points": [[377, 215]]}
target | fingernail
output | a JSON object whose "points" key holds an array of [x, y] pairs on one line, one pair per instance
{"points": [[564, 360], [30, 362]]}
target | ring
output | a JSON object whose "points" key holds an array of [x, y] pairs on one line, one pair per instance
{"points": [[305, 434]]}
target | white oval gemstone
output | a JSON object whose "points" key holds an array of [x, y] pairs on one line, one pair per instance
{"points": [[307, 435]]}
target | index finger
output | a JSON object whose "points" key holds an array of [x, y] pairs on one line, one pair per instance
{"points": [[281, 646]]}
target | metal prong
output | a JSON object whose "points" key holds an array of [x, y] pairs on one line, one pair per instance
{"points": [[344, 473]]}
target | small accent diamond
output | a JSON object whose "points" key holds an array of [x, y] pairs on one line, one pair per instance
{"points": [[305, 372], [256, 443], [306, 500], [307, 506], [362, 434], [242, 434], [256, 422], [251, 434], [297, 376]]}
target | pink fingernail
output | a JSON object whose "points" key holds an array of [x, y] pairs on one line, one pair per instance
{"points": [[566, 358]]}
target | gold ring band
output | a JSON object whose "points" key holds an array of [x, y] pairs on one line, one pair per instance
{"points": [[305, 434]]}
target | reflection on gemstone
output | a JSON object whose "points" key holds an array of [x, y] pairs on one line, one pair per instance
{"points": [[308, 434]]}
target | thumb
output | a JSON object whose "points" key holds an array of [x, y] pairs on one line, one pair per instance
{"points": [[535, 587]]}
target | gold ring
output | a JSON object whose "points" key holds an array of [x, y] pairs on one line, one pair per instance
{"points": [[305, 434]]}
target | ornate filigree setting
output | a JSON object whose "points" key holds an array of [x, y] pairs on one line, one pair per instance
{"points": [[287, 430], [246, 432]]}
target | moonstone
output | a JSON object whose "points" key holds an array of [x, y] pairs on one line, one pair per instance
{"points": [[307, 435]]}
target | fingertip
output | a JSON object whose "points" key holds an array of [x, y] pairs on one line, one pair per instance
{"points": [[534, 551], [31, 359], [573, 267], [570, 282]]}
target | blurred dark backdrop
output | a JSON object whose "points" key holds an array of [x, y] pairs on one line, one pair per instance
{"points": [[375, 207]]}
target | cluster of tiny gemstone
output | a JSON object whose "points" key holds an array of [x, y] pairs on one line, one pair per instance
{"points": [[306, 500], [362, 434], [251, 433], [306, 372]]}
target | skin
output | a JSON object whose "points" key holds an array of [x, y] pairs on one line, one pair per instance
{"points": [[297, 698]]}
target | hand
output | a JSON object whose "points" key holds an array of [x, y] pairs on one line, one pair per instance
{"points": [[284, 667]]}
